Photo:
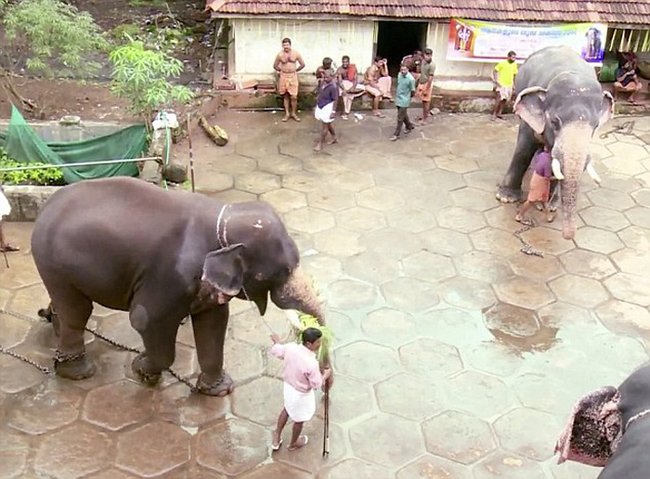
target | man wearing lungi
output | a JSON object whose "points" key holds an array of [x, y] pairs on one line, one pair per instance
{"points": [[378, 83], [301, 376], [425, 84], [504, 75], [346, 76], [5, 209], [285, 63], [326, 109]]}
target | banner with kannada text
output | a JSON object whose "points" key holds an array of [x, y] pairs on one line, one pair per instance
{"points": [[479, 41]]}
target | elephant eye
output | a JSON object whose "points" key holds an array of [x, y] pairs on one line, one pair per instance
{"points": [[557, 123]]}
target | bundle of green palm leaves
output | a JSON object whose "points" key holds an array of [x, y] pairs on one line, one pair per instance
{"points": [[301, 321]]}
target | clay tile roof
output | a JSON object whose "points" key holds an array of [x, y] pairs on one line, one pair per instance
{"points": [[631, 12]]}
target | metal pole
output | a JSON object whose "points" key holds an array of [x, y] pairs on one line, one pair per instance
{"points": [[85, 163], [189, 139]]}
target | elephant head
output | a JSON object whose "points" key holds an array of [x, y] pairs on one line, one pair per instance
{"points": [[258, 259], [566, 115]]}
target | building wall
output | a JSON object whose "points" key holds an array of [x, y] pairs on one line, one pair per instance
{"points": [[257, 42]]}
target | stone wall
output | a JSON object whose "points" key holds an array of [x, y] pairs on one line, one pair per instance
{"points": [[26, 201]]}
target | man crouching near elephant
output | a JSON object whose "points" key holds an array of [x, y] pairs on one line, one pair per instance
{"points": [[301, 376]]}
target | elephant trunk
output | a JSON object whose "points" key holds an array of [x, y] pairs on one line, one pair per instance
{"points": [[571, 149], [297, 293]]}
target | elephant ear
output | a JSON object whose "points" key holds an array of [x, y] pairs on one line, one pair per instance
{"points": [[224, 269], [606, 109], [594, 429], [529, 105]]}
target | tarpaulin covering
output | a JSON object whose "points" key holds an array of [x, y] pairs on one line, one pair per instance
{"points": [[21, 143]]}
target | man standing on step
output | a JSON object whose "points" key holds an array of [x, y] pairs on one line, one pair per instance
{"points": [[285, 64], [504, 81], [5, 209], [425, 84]]}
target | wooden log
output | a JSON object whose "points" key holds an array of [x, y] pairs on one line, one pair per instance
{"points": [[216, 134]]}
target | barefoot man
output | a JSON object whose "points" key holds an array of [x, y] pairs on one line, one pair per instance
{"points": [[285, 63], [301, 376], [326, 109], [504, 75]]}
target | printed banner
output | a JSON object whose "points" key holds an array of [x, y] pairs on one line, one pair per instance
{"points": [[478, 41]]}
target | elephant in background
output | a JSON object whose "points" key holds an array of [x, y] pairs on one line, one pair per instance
{"points": [[561, 104], [161, 256], [610, 428]]}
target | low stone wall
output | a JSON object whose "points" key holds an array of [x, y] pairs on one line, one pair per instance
{"points": [[27, 201]]}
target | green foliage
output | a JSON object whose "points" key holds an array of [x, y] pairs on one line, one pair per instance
{"points": [[53, 32], [40, 177], [308, 321], [141, 76], [122, 33]]}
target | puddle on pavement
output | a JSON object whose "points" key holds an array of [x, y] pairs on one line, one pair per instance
{"points": [[520, 328]]}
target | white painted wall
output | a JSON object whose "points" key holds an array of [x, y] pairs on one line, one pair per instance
{"points": [[257, 42]]}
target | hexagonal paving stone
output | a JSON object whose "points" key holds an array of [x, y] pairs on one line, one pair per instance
{"points": [[388, 326], [304, 181], [242, 361], [564, 315], [479, 394], [259, 401], [13, 331], [434, 467], [496, 241], [445, 242], [548, 240], [533, 267], [510, 466], [623, 150], [503, 217], [117, 327], [483, 266], [467, 293], [407, 161], [309, 220], [118, 405], [257, 182], [43, 410], [428, 266], [533, 392], [21, 273], [354, 399], [18, 376], [473, 199], [514, 433], [233, 446], [284, 200], [607, 198], [13, 454], [366, 361], [638, 216], [338, 242], [588, 264], [632, 261], [625, 318], [459, 437], [443, 180], [358, 470], [396, 178], [379, 199], [279, 164], [414, 220], [324, 269], [642, 197], [73, 452], [524, 292], [348, 295], [276, 469], [233, 196], [179, 405], [460, 219], [622, 165], [24, 299], [517, 327], [597, 240], [604, 218], [162, 456], [485, 180], [427, 198], [425, 399], [213, 183], [636, 238], [392, 243], [5, 296], [236, 164], [331, 199], [248, 327], [580, 291], [430, 358], [455, 164], [360, 219], [387, 440], [352, 180], [410, 294]]}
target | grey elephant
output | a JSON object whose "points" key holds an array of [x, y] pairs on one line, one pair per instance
{"points": [[610, 428], [161, 256], [561, 104]]}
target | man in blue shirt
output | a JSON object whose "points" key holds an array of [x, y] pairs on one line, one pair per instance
{"points": [[405, 90]]}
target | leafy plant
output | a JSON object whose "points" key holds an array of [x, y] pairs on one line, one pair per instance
{"points": [[141, 76], [308, 321], [40, 177]]}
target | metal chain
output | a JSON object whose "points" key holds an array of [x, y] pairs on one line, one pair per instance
{"points": [[526, 246], [626, 129], [59, 358]]}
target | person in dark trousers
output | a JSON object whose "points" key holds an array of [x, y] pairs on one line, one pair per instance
{"points": [[405, 91]]}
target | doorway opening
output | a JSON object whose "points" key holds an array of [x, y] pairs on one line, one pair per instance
{"points": [[395, 40]]}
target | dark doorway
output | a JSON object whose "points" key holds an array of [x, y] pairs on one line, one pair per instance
{"points": [[395, 40]]}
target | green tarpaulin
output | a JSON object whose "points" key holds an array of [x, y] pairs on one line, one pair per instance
{"points": [[21, 143]]}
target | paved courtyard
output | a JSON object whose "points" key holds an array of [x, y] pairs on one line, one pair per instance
{"points": [[457, 356]]}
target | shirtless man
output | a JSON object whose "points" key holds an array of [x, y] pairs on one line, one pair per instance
{"points": [[285, 64], [377, 82]]}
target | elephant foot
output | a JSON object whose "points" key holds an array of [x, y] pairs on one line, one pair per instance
{"points": [[223, 386], [74, 367], [508, 195], [139, 368]]}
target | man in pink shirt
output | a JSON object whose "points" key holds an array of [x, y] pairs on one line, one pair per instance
{"points": [[301, 376]]}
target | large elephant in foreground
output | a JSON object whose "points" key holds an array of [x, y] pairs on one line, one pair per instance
{"points": [[161, 256], [610, 428], [561, 104]]}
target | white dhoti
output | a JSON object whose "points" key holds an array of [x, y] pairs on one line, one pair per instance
{"points": [[5, 207], [300, 406], [325, 114]]}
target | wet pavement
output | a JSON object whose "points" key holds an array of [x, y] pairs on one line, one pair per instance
{"points": [[457, 356]]}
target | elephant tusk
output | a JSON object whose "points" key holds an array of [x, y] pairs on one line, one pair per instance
{"points": [[557, 169], [594, 175]]}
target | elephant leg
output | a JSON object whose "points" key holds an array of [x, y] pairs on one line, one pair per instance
{"points": [[509, 190], [158, 329], [209, 335], [69, 313]]}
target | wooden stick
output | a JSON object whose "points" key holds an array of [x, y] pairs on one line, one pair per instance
{"points": [[189, 139], [326, 423]]}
